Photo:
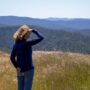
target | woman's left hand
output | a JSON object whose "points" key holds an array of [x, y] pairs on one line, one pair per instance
{"points": [[18, 70]]}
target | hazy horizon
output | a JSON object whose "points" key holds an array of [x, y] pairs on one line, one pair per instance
{"points": [[46, 17]]}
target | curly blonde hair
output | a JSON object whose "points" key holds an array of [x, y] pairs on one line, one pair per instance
{"points": [[21, 32]]}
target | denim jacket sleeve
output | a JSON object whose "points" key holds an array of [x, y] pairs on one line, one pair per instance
{"points": [[35, 41]]}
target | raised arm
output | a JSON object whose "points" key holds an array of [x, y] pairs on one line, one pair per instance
{"points": [[12, 58], [35, 41]]}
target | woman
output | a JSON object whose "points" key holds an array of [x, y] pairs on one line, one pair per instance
{"points": [[21, 56]]}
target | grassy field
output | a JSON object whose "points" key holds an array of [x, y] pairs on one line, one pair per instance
{"points": [[53, 71]]}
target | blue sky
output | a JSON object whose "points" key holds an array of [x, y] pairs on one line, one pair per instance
{"points": [[46, 8]]}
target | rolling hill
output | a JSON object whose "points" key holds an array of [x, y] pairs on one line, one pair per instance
{"points": [[84, 32], [55, 40]]}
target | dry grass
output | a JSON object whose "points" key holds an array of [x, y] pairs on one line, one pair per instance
{"points": [[53, 71]]}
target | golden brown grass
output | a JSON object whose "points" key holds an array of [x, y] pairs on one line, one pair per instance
{"points": [[53, 71]]}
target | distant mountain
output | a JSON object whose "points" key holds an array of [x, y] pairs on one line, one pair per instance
{"points": [[57, 19], [50, 23]]}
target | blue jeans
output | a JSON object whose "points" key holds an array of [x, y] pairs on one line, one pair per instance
{"points": [[25, 81]]}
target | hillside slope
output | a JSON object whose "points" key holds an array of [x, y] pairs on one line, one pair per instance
{"points": [[53, 71], [54, 40]]}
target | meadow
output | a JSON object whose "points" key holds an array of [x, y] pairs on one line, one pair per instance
{"points": [[53, 71]]}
